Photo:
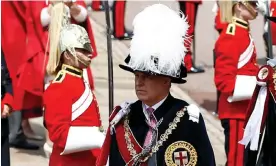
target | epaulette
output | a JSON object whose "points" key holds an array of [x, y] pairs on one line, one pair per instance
{"points": [[231, 29], [59, 78], [124, 110], [194, 112]]}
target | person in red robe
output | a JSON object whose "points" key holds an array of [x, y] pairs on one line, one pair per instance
{"points": [[13, 42], [190, 8], [272, 13], [97, 5], [38, 19], [74, 123], [118, 15], [273, 24], [235, 72]]}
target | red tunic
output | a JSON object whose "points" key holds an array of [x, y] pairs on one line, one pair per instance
{"points": [[66, 107], [236, 56], [189, 8]]}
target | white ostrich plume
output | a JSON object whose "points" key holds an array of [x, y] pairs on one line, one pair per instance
{"points": [[159, 34]]}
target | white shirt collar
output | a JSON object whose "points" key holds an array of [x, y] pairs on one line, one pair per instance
{"points": [[157, 105]]}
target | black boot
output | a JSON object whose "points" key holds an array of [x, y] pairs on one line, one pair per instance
{"points": [[195, 69]]}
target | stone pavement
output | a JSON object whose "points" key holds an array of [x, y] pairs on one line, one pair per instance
{"points": [[124, 90]]}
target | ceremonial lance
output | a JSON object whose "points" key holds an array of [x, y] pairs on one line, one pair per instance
{"points": [[110, 61]]}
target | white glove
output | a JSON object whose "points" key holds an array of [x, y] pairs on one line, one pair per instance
{"points": [[261, 6]]}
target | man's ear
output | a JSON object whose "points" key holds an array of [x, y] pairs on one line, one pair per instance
{"points": [[66, 55], [239, 6]]}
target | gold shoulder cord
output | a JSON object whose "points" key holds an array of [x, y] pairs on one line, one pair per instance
{"points": [[163, 137]]}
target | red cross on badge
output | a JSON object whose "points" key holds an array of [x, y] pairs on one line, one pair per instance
{"points": [[181, 158]]}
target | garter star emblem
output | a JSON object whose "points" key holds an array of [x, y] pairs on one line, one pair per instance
{"points": [[181, 153]]}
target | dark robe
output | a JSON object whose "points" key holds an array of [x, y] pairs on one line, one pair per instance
{"points": [[6, 98], [186, 130], [267, 155]]}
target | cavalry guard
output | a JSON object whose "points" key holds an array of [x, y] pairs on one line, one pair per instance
{"points": [[71, 110], [235, 71]]}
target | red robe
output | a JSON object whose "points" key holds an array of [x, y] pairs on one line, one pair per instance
{"points": [[70, 122], [34, 63], [96, 5], [236, 56], [189, 8], [13, 41], [118, 16]]}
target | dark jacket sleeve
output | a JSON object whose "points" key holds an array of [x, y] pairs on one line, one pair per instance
{"points": [[204, 148]]}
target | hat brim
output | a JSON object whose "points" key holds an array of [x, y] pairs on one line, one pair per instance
{"points": [[273, 19], [173, 79]]}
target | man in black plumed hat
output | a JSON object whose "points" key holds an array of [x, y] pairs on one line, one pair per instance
{"points": [[157, 129]]}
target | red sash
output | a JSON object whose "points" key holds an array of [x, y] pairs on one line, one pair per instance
{"points": [[102, 159], [122, 143]]}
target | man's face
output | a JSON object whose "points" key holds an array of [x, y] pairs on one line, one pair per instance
{"points": [[84, 57], [150, 89], [248, 11]]}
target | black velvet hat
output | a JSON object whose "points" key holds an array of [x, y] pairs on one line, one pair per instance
{"points": [[175, 79], [157, 46]]}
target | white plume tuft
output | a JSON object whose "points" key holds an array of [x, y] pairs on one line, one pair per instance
{"points": [[261, 6], [159, 32]]}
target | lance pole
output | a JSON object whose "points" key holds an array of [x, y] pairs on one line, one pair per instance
{"points": [[110, 61], [269, 36]]}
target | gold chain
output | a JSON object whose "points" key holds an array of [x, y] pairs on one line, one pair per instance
{"points": [[274, 79], [128, 140], [172, 126], [163, 137]]}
